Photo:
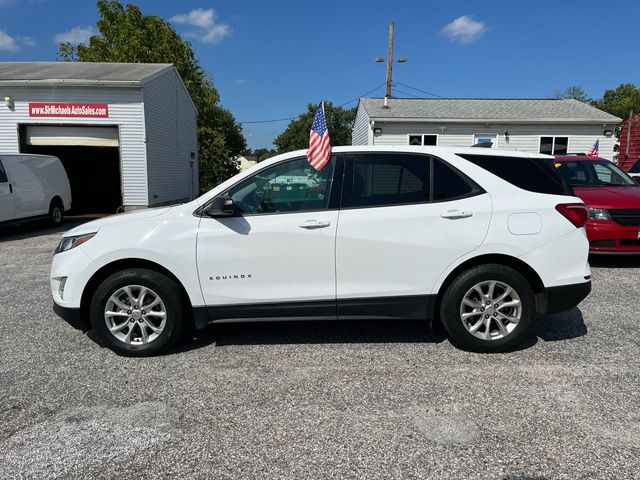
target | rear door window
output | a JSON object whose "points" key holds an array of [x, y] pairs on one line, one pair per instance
{"points": [[386, 179], [532, 174]]}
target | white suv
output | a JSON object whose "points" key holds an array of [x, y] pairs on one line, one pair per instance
{"points": [[482, 240]]}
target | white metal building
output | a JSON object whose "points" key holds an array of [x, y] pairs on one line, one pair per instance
{"points": [[533, 125], [126, 133]]}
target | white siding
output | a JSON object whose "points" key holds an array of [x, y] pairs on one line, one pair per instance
{"points": [[361, 127], [521, 137], [125, 112], [170, 119]]}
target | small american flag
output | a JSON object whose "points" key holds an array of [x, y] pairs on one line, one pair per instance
{"points": [[594, 150], [319, 151]]}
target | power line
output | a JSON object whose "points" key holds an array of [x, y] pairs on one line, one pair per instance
{"points": [[419, 90], [396, 89], [269, 121], [293, 118], [363, 95]]}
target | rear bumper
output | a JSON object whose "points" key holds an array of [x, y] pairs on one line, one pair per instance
{"points": [[564, 297], [610, 237], [71, 316]]}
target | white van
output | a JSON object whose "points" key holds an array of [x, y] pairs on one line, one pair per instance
{"points": [[31, 187]]}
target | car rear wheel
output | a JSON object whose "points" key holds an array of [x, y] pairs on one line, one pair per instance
{"points": [[489, 308], [138, 312], [56, 213]]}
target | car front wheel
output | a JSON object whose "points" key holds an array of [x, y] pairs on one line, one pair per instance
{"points": [[489, 308], [138, 312]]}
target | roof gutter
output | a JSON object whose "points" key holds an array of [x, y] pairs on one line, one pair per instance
{"points": [[481, 121], [70, 83]]}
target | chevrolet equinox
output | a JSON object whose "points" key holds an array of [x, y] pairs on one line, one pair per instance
{"points": [[482, 240]]}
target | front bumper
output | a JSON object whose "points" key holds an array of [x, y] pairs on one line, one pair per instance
{"points": [[564, 297], [607, 236]]}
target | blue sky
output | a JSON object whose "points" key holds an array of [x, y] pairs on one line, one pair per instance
{"points": [[270, 58]]}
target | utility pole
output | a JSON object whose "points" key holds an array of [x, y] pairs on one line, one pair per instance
{"points": [[389, 63], [389, 60]]}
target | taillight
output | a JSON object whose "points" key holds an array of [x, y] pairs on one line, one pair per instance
{"points": [[576, 213]]}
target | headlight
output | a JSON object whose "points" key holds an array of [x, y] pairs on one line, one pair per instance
{"points": [[599, 214], [67, 243]]}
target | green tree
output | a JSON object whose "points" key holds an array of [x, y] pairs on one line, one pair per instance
{"points": [[127, 35], [576, 92], [263, 153], [296, 135], [619, 101]]}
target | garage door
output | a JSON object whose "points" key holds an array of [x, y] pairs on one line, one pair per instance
{"points": [[72, 136]]}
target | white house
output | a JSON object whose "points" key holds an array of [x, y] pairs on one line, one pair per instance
{"points": [[246, 161], [533, 125], [126, 133]]}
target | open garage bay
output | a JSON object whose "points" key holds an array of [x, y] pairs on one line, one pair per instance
{"points": [[318, 400]]}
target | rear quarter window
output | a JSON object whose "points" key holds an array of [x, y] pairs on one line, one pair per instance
{"points": [[532, 174]]}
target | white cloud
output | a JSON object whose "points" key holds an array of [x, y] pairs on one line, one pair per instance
{"points": [[75, 36], [7, 42], [28, 41], [241, 81], [13, 44], [209, 31], [464, 29], [198, 18]]}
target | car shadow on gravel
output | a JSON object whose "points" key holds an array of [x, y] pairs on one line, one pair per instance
{"points": [[561, 326], [615, 261], [39, 228], [549, 328], [316, 332]]}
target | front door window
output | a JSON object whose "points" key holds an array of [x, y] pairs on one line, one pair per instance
{"points": [[292, 186]]}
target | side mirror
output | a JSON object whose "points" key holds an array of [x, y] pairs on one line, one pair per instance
{"points": [[221, 206]]}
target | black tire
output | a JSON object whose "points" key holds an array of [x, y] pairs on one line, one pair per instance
{"points": [[450, 314], [56, 213], [165, 288]]}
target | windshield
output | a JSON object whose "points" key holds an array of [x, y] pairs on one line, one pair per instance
{"points": [[594, 174]]}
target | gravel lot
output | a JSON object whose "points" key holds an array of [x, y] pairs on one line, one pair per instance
{"points": [[318, 400]]}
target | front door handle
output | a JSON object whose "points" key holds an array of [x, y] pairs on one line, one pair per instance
{"points": [[456, 214], [313, 224]]}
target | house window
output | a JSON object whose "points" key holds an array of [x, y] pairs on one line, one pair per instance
{"points": [[423, 140], [485, 139], [554, 145]]}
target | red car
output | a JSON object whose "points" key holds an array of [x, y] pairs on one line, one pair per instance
{"points": [[613, 200]]}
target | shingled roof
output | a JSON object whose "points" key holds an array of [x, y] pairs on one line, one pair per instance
{"points": [[78, 73], [509, 110]]}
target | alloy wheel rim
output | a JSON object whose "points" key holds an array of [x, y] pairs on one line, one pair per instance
{"points": [[57, 214], [135, 315], [491, 310]]}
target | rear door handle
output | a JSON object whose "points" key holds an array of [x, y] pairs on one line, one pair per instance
{"points": [[456, 214], [313, 224]]}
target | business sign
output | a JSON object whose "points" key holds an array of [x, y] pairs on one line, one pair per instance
{"points": [[81, 110]]}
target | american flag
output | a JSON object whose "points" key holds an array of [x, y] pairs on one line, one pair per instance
{"points": [[594, 150], [319, 151]]}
